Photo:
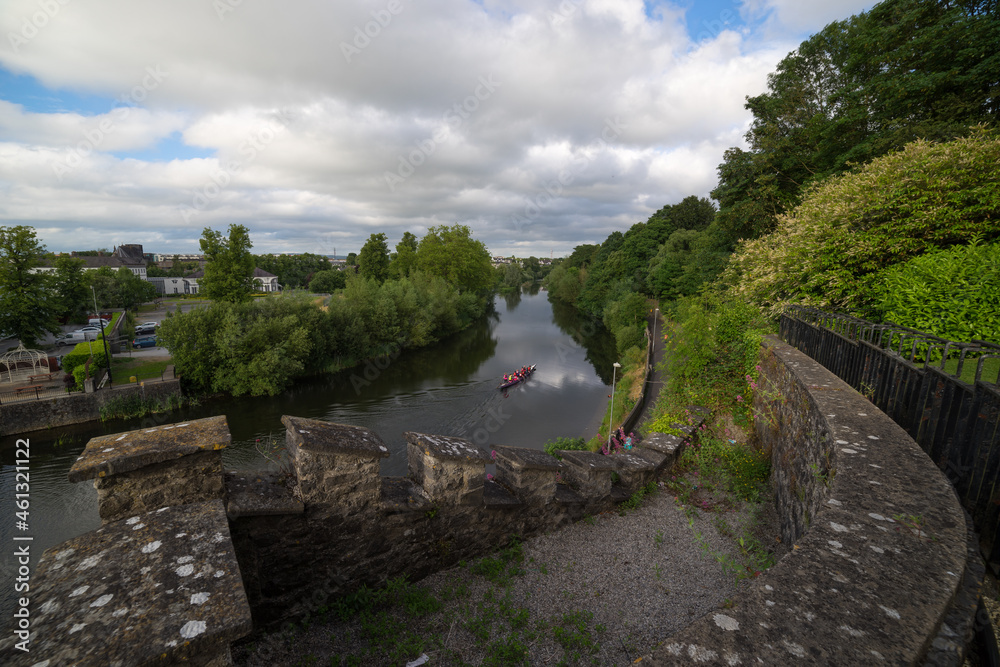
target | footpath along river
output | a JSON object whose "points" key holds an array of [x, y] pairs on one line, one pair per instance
{"points": [[449, 388]]}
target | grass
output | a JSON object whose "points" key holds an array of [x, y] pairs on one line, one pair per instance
{"points": [[400, 621], [124, 369], [127, 407], [991, 369]]}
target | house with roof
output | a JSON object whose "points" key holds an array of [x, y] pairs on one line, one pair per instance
{"points": [[128, 255], [263, 282]]}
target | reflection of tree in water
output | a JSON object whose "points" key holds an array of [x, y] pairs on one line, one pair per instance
{"points": [[453, 359], [531, 289], [590, 334], [513, 299]]}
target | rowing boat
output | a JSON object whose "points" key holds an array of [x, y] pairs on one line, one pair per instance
{"points": [[517, 379]]}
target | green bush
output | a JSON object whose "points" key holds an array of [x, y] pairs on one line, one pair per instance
{"points": [[952, 293], [829, 251], [552, 447]]}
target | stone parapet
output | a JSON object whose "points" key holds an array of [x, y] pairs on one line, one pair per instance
{"points": [[531, 474], [450, 470], [880, 553], [589, 473], [147, 469], [158, 588], [335, 464]]}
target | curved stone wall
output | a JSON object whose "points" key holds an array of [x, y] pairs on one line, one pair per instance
{"points": [[878, 573]]}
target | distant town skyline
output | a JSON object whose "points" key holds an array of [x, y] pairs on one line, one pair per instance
{"points": [[539, 125]]}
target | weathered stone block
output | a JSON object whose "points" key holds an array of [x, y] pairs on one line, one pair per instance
{"points": [[335, 464], [260, 494], [146, 469], [671, 446], [192, 479], [450, 470], [531, 474], [159, 588], [634, 471], [588, 472]]}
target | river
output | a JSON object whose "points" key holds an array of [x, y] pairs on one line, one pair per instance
{"points": [[449, 388]]}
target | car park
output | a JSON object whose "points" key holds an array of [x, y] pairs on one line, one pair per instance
{"points": [[145, 341]]}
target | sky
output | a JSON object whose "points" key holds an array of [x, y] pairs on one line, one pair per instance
{"points": [[540, 124]]}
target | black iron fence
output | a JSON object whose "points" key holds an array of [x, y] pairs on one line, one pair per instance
{"points": [[945, 394]]}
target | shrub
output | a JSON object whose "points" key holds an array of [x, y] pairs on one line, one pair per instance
{"points": [[552, 447], [953, 293], [828, 252]]}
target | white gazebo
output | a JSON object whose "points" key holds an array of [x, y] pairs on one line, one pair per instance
{"points": [[19, 364]]}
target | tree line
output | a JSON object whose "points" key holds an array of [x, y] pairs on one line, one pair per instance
{"points": [[425, 291], [34, 303], [874, 145]]}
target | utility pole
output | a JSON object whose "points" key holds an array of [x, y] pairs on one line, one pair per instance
{"points": [[107, 355]]}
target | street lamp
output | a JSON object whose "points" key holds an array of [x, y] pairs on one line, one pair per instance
{"points": [[104, 338], [611, 423]]}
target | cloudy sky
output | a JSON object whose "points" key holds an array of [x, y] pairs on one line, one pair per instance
{"points": [[541, 124]]}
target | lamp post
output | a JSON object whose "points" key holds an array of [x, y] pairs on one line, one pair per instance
{"points": [[104, 338], [611, 423]]}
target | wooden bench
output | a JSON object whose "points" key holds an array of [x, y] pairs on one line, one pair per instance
{"points": [[41, 376], [25, 390]]}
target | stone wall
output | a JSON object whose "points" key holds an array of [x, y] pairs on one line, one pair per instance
{"points": [[301, 537], [74, 408], [881, 571]]}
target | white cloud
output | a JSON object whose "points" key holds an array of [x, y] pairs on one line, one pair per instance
{"points": [[306, 107]]}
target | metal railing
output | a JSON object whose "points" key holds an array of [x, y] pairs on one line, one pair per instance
{"points": [[916, 379]]}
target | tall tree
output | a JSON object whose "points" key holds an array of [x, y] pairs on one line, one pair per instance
{"points": [[27, 305], [452, 253], [857, 90], [133, 290], [373, 261], [71, 286], [406, 256], [229, 271]]}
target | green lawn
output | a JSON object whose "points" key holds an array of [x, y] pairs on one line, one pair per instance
{"points": [[990, 369], [123, 369]]}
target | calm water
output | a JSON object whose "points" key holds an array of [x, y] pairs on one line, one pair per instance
{"points": [[447, 389]]}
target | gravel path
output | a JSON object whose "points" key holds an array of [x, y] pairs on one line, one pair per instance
{"points": [[642, 576]]}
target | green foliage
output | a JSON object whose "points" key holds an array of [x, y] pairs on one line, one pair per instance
{"points": [[373, 260], [328, 281], [857, 90], [28, 306], [259, 348], [71, 286], [293, 271], [952, 293], [451, 253], [830, 250], [552, 447], [714, 344], [405, 260], [229, 271], [136, 405], [132, 290]]}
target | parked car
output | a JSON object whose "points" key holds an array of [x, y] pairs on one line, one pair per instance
{"points": [[84, 334], [145, 328], [145, 341], [98, 322]]}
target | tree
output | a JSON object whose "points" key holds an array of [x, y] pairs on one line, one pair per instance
{"points": [[352, 258], [72, 288], [132, 290], [829, 251], [855, 91], [27, 305], [373, 261], [406, 256], [104, 285], [229, 271], [328, 281], [452, 253]]}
